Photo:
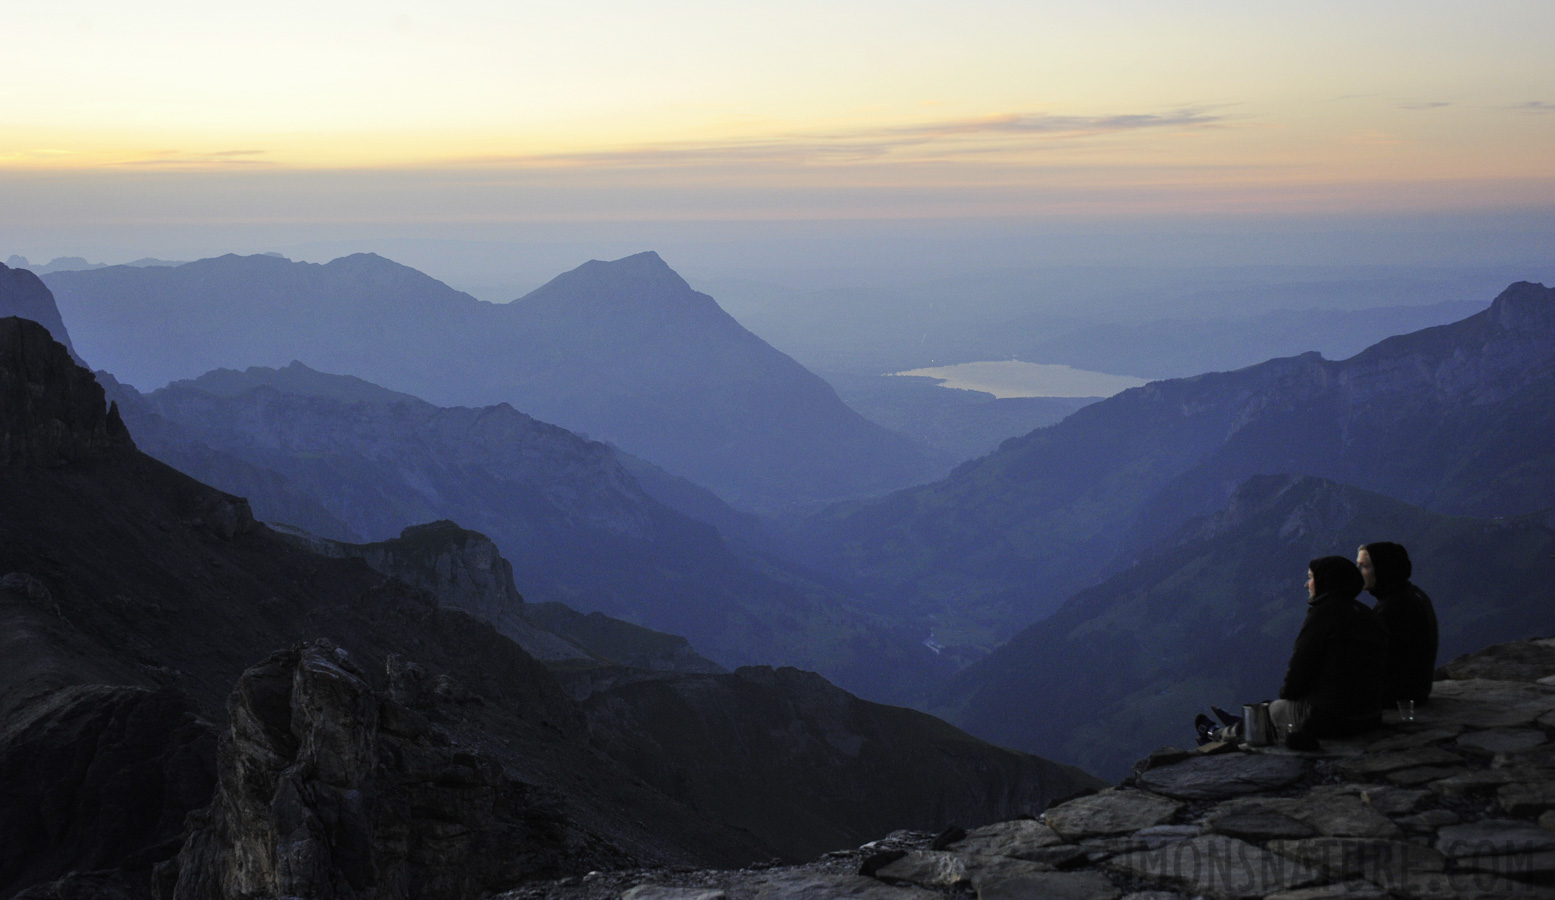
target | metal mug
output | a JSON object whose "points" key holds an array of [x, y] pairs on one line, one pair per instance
{"points": [[1257, 727]]}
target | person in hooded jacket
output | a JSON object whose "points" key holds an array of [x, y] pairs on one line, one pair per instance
{"points": [[1407, 613], [1333, 684]]}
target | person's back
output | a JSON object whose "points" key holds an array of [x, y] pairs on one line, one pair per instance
{"points": [[1409, 617], [1336, 669]]}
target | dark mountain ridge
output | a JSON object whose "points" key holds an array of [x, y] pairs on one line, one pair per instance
{"points": [[1455, 418], [624, 351]]}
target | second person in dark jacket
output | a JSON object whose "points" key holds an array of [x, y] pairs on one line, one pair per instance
{"points": [[1409, 617]]}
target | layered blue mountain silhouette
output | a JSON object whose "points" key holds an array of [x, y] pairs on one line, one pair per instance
{"points": [[623, 351]]}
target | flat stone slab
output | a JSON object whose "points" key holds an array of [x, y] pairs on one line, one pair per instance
{"points": [[983, 870], [1344, 890], [1217, 866], [1538, 867], [1493, 837], [1427, 821], [1100, 848], [1337, 815], [1109, 812], [1217, 777], [1481, 703], [1394, 801], [1503, 740], [816, 886], [1050, 886], [1525, 798], [1160, 835], [930, 868], [1383, 763], [1250, 820], [666, 892], [1413, 739], [1514, 661], [1471, 781], [1423, 775], [1017, 838], [1469, 886], [1385, 863]]}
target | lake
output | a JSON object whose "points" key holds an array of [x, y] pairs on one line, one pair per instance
{"points": [[1012, 378]]}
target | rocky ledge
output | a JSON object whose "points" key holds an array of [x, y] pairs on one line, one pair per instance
{"points": [[1458, 803]]}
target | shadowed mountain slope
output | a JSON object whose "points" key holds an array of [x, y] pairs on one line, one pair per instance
{"points": [[574, 523], [1455, 418], [1211, 617], [624, 351], [128, 575]]}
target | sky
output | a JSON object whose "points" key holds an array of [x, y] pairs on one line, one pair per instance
{"points": [[177, 121]]}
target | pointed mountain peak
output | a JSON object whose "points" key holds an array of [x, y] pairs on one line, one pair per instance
{"points": [[1525, 307], [643, 277], [52, 411]]}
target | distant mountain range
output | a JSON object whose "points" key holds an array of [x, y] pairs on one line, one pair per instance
{"points": [[1211, 617], [625, 352], [1173, 348], [1455, 418]]}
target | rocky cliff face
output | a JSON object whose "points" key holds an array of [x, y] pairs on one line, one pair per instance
{"points": [[24, 294], [52, 412], [329, 789], [464, 571], [462, 568]]}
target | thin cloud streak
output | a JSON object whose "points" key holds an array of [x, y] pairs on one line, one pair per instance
{"points": [[216, 158], [952, 138], [1427, 104]]}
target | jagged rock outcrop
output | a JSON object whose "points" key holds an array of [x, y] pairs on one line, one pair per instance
{"points": [[328, 789], [464, 570], [52, 412]]}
